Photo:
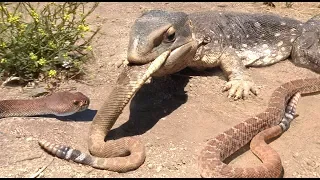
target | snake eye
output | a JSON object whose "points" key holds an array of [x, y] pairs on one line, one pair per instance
{"points": [[75, 102], [170, 35]]}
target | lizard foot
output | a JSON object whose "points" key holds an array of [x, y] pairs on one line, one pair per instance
{"points": [[239, 88]]}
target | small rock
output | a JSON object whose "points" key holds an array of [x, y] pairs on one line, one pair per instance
{"points": [[18, 136], [172, 167], [310, 162], [180, 162], [183, 161], [148, 145], [295, 155], [158, 168], [222, 5], [150, 166], [29, 139], [118, 63], [294, 174]]}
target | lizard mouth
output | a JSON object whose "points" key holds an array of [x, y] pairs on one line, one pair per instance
{"points": [[159, 61], [176, 60], [138, 56], [178, 52], [174, 57]]}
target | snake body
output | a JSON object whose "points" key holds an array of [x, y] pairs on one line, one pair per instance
{"points": [[120, 155], [128, 153], [59, 103], [216, 150]]}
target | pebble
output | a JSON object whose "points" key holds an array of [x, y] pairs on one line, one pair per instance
{"points": [[29, 139], [117, 63], [150, 166], [158, 168], [148, 145], [310, 162], [294, 174], [172, 167], [18, 136]]}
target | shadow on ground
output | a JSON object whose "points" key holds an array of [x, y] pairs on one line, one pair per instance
{"points": [[151, 103], [86, 115]]}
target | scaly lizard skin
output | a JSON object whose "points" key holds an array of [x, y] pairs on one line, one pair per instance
{"points": [[229, 40]]}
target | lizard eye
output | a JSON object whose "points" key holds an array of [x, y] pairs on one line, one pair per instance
{"points": [[170, 35]]}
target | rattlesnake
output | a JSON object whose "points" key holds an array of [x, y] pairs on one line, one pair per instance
{"points": [[216, 150], [120, 155], [211, 157], [59, 103]]}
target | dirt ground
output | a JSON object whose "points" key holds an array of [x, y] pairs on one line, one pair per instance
{"points": [[173, 116]]}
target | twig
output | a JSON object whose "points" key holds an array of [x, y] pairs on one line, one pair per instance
{"points": [[29, 158], [41, 170]]}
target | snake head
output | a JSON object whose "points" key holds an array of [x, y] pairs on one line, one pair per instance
{"points": [[67, 103], [81, 102]]}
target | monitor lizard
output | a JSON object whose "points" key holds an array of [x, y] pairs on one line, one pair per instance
{"points": [[229, 40]]}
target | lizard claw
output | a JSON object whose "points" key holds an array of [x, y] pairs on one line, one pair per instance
{"points": [[240, 88]]}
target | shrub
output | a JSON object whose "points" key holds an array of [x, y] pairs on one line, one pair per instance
{"points": [[48, 42]]}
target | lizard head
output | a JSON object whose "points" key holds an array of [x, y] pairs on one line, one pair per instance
{"points": [[157, 31]]}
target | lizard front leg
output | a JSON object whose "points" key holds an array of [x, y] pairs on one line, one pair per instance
{"points": [[240, 82]]}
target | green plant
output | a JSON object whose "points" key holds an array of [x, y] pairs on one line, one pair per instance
{"points": [[49, 42]]}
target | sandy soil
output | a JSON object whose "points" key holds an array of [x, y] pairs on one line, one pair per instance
{"points": [[173, 116]]}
